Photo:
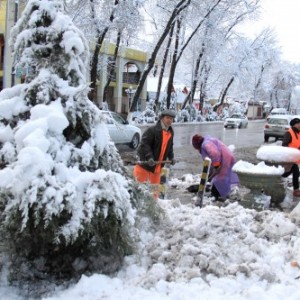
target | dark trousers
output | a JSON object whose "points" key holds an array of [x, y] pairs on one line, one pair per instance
{"points": [[295, 171], [214, 192]]}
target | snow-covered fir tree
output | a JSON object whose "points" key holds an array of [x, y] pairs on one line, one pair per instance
{"points": [[163, 104], [68, 205], [149, 112]]}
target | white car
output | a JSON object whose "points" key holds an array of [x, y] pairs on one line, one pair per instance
{"points": [[276, 126], [276, 112], [236, 121], [120, 131]]}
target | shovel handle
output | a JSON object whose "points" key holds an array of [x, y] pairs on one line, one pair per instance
{"points": [[145, 162]]}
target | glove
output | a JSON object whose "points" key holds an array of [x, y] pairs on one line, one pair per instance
{"points": [[173, 161], [217, 169], [214, 171], [151, 162]]}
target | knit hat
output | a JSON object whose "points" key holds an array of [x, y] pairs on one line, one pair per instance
{"points": [[168, 112], [197, 141], [294, 121]]}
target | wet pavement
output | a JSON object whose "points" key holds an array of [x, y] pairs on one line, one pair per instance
{"points": [[188, 160], [188, 163]]}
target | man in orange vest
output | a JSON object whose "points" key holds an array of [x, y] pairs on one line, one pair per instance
{"points": [[156, 145], [291, 139]]}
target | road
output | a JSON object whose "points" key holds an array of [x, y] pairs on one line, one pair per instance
{"points": [[188, 165], [246, 142], [245, 137]]}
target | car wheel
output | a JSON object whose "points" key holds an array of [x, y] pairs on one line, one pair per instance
{"points": [[135, 141], [240, 125], [266, 138]]}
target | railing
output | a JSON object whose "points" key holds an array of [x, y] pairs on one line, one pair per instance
{"points": [[131, 78]]}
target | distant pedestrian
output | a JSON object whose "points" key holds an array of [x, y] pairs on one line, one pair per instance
{"points": [[222, 161], [156, 145], [291, 139]]}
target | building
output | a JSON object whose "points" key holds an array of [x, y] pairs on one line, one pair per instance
{"points": [[129, 65], [255, 110]]}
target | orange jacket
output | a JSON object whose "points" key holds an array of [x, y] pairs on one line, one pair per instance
{"points": [[295, 143]]}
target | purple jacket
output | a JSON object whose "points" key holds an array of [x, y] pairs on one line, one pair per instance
{"points": [[219, 152]]}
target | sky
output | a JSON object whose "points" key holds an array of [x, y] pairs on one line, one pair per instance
{"points": [[283, 17]]}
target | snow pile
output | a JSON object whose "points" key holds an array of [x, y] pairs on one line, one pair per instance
{"points": [[261, 168], [279, 154], [218, 253]]}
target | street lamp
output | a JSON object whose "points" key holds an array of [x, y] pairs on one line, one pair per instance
{"points": [[130, 92]]}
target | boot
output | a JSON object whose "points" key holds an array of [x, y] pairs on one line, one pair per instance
{"points": [[296, 193]]}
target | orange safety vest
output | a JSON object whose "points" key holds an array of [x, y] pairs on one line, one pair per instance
{"points": [[295, 143], [166, 135], [143, 175]]}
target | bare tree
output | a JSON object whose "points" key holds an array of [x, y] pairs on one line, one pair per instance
{"points": [[100, 38], [181, 5], [163, 65]]}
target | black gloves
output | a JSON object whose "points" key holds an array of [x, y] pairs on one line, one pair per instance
{"points": [[217, 169], [151, 162], [213, 172]]}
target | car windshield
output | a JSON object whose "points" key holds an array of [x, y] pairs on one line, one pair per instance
{"points": [[118, 118], [236, 116], [278, 121]]}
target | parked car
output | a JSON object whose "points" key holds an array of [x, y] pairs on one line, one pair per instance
{"points": [[276, 126], [236, 120], [120, 131], [277, 111]]}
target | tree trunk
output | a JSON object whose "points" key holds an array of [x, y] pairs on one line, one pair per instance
{"points": [[195, 77], [94, 62], [173, 64], [225, 91], [112, 67], [203, 86], [161, 75]]}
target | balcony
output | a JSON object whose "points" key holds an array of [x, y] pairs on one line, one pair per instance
{"points": [[130, 78]]}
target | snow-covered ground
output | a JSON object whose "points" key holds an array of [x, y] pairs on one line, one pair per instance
{"points": [[226, 252]]}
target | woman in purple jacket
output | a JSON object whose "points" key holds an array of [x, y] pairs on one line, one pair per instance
{"points": [[222, 161]]}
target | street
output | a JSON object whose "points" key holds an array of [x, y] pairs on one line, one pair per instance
{"points": [[188, 160], [246, 137]]}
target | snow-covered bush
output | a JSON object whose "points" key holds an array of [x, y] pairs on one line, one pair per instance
{"points": [[183, 116], [67, 204], [148, 115]]}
